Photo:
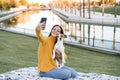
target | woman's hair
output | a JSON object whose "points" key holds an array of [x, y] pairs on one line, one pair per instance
{"points": [[55, 26]]}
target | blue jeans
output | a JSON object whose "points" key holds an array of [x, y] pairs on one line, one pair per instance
{"points": [[63, 73]]}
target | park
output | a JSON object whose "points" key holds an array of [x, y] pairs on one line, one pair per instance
{"points": [[92, 46]]}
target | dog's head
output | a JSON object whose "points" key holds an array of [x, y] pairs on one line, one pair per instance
{"points": [[61, 37]]}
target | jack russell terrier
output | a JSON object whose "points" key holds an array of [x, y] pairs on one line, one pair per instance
{"points": [[59, 46]]}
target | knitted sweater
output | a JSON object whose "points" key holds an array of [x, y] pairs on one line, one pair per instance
{"points": [[45, 50]]}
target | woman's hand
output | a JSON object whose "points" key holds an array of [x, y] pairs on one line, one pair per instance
{"points": [[41, 26]]}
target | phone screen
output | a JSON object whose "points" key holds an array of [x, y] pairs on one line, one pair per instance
{"points": [[43, 20]]}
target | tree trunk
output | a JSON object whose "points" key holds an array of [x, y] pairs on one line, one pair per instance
{"points": [[83, 8], [89, 9], [115, 10], [103, 7]]}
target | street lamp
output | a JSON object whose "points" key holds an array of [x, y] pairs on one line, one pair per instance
{"points": [[83, 8], [115, 9], [89, 8], [103, 7]]}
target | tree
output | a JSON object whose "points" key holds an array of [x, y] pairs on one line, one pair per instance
{"points": [[66, 4], [6, 6], [23, 2], [80, 8], [36, 4], [111, 1], [103, 3], [12, 4], [83, 8], [89, 8], [74, 4], [107, 1], [0, 5], [115, 10]]}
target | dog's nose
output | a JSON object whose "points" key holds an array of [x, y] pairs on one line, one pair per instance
{"points": [[60, 38]]}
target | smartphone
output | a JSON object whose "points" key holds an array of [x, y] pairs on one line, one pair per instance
{"points": [[43, 20]]}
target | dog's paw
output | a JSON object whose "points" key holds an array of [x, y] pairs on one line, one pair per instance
{"points": [[60, 66]]}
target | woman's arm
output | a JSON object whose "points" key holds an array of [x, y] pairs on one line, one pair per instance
{"points": [[39, 35]]}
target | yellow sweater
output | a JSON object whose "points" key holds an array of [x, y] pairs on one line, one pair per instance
{"points": [[45, 49]]}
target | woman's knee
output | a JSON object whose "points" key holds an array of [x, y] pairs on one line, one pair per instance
{"points": [[74, 74], [57, 73], [73, 71], [62, 74], [67, 74]]}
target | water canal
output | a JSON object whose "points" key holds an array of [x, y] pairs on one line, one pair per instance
{"points": [[87, 34]]}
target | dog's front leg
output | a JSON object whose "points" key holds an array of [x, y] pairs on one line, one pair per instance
{"points": [[53, 56], [63, 57]]}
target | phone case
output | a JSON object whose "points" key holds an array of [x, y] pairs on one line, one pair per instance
{"points": [[43, 20]]}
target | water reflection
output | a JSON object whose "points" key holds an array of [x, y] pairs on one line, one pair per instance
{"points": [[12, 22], [86, 34], [114, 38], [94, 35], [23, 18]]}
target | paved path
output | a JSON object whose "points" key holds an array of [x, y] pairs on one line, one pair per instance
{"points": [[9, 16], [97, 18]]}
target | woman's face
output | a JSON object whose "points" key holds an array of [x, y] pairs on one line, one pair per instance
{"points": [[55, 31]]}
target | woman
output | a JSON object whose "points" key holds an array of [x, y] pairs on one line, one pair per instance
{"points": [[46, 65]]}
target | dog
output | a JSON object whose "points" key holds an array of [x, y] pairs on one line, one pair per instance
{"points": [[60, 61]]}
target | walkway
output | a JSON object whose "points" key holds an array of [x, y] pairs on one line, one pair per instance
{"points": [[96, 18], [8, 15]]}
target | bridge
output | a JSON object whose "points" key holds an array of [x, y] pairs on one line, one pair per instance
{"points": [[32, 9]]}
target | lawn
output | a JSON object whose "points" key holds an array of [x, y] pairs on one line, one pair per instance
{"points": [[109, 10], [18, 51]]}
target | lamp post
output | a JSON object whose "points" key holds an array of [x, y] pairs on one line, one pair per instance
{"points": [[103, 7], [83, 8], [89, 9], [115, 9], [80, 8]]}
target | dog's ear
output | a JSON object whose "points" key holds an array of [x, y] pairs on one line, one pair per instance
{"points": [[65, 36]]}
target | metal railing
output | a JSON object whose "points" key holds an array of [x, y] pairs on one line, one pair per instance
{"points": [[85, 42]]}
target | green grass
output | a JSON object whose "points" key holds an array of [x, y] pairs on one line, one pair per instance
{"points": [[18, 51], [109, 10], [91, 61]]}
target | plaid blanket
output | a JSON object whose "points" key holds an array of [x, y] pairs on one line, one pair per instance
{"points": [[30, 73]]}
